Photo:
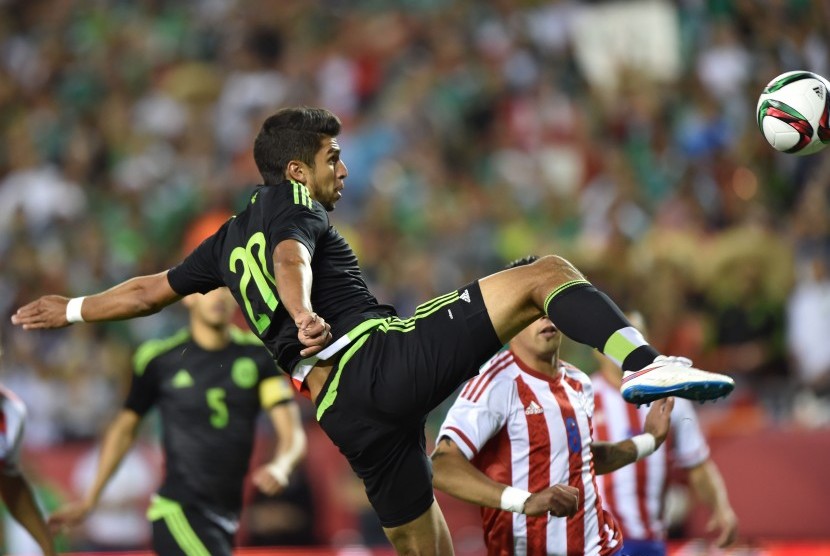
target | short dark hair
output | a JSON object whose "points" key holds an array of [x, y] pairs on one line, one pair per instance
{"points": [[291, 134], [522, 262]]}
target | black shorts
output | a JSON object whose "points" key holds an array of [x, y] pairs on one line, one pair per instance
{"points": [[186, 530], [388, 380]]}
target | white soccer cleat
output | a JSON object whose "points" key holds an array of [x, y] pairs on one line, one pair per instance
{"points": [[673, 376]]}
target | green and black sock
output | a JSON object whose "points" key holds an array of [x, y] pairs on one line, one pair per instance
{"points": [[588, 316]]}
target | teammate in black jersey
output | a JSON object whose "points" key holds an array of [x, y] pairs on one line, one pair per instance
{"points": [[209, 383], [373, 376]]}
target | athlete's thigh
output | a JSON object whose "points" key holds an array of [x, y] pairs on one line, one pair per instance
{"points": [[515, 297], [426, 535], [390, 458], [420, 361]]}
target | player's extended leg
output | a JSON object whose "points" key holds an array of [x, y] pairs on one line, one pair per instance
{"points": [[426, 535], [552, 286]]}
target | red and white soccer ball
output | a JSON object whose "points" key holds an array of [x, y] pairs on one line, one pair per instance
{"points": [[794, 112]]}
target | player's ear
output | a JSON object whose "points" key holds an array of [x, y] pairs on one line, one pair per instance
{"points": [[296, 170]]}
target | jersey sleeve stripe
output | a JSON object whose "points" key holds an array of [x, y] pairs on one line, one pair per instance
{"points": [[574, 383], [153, 348], [476, 395], [457, 435], [471, 384]]}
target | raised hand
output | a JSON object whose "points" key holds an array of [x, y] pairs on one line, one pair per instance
{"points": [[48, 311], [658, 420]]}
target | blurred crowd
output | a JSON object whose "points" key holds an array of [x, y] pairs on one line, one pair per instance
{"points": [[621, 135]]}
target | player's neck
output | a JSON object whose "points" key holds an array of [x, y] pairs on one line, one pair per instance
{"points": [[544, 363], [210, 338]]}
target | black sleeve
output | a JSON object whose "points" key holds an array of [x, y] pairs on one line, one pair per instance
{"points": [[300, 223], [143, 389], [199, 272], [266, 364]]}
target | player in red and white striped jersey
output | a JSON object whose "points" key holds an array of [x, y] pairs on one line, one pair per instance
{"points": [[635, 493], [523, 426], [14, 488]]}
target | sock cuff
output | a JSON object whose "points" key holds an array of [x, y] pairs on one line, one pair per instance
{"points": [[622, 343], [563, 287]]}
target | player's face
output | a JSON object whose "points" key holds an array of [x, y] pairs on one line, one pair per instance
{"points": [[540, 339], [326, 180], [214, 308]]}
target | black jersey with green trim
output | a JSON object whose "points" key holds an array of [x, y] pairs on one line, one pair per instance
{"points": [[209, 403], [240, 255]]}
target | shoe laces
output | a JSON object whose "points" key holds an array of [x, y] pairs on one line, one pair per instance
{"points": [[685, 361]]}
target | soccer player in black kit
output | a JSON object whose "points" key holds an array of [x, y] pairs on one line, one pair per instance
{"points": [[372, 375], [209, 383]]}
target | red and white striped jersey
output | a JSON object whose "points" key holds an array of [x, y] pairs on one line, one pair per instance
{"points": [[526, 429], [635, 493], [12, 417]]}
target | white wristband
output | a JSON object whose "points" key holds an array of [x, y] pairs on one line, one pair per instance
{"points": [[645, 444], [279, 470], [513, 500], [73, 310]]}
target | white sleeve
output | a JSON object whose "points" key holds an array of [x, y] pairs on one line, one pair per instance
{"points": [[690, 447], [475, 419], [11, 439]]}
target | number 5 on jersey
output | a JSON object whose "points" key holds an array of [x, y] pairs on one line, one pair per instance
{"points": [[216, 402]]}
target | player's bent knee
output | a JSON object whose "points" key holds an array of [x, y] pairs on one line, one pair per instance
{"points": [[550, 272], [554, 266]]}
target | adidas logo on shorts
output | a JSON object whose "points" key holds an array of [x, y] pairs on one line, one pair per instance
{"points": [[465, 295]]}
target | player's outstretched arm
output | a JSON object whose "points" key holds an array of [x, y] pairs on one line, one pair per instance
{"points": [[706, 482], [293, 277], [18, 498], [610, 456], [136, 297], [116, 442], [454, 474], [273, 477]]}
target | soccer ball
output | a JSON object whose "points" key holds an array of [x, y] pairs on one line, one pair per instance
{"points": [[794, 112]]}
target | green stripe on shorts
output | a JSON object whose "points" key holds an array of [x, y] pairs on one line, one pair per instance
{"points": [[173, 515], [331, 393], [390, 324]]}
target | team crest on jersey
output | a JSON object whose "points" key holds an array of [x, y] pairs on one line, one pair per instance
{"points": [[244, 372], [533, 408]]}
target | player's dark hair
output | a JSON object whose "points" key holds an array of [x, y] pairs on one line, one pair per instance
{"points": [[522, 262], [291, 134]]}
